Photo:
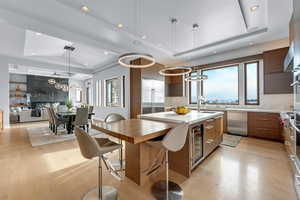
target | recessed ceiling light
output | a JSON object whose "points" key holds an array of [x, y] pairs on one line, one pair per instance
{"points": [[85, 9], [251, 43], [254, 8], [215, 52], [33, 54], [38, 33], [144, 37], [120, 25], [105, 53]]}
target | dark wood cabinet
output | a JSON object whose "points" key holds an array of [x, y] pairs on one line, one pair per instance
{"points": [[174, 86], [276, 81], [264, 125], [273, 60]]}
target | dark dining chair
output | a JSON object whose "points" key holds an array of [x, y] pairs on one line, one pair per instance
{"points": [[57, 121]]}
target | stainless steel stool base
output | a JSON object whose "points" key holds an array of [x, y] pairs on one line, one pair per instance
{"points": [[116, 164], [158, 190], [108, 193]]}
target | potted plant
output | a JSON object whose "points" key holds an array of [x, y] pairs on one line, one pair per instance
{"points": [[69, 104]]}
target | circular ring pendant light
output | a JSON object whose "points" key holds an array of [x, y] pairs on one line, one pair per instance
{"points": [[196, 78], [125, 59], [175, 71]]}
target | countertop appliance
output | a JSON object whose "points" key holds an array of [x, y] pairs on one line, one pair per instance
{"points": [[237, 122]]}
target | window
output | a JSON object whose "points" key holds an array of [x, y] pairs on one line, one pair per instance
{"points": [[113, 92], [89, 96], [251, 83], [153, 91], [222, 85], [193, 90], [78, 93], [98, 93]]}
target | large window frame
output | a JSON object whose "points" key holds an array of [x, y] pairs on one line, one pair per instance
{"points": [[238, 85], [121, 100], [98, 93], [245, 82]]}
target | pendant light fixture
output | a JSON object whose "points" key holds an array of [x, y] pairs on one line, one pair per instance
{"points": [[51, 81], [176, 70], [125, 59], [195, 77]]}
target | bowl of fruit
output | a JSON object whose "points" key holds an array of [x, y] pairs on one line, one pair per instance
{"points": [[182, 110]]}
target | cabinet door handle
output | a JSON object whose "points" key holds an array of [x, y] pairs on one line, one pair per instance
{"points": [[294, 83], [292, 138], [209, 141], [209, 127], [292, 157]]}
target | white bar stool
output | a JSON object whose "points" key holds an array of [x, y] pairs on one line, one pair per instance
{"points": [[173, 141], [96, 147]]}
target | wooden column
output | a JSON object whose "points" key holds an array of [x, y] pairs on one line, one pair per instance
{"points": [[135, 90]]}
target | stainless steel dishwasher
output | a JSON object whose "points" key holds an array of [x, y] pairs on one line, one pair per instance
{"points": [[237, 122]]}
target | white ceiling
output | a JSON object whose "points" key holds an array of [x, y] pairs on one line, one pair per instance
{"points": [[223, 25]]}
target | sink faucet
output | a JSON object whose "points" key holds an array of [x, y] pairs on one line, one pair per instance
{"points": [[200, 101]]}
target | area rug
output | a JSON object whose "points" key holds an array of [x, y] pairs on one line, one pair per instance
{"points": [[231, 140], [42, 135]]}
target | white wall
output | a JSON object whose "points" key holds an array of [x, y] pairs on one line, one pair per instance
{"points": [[114, 71], [4, 91]]}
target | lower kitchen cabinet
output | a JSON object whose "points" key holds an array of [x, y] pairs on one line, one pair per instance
{"points": [[264, 125], [213, 135]]}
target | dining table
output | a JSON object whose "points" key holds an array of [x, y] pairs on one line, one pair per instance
{"points": [[70, 117], [135, 133]]}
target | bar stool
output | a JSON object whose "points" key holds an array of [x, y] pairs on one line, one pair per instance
{"points": [[173, 141], [95, 147], [114, 117]]}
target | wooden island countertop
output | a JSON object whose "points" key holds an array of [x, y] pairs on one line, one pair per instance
{"points": [[133, 130]]}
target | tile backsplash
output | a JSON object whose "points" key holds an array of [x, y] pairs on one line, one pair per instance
{"points": [[273, 102]]}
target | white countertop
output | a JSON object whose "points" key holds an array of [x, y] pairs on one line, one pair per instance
{"points": [[190, 118], [243, 109]]}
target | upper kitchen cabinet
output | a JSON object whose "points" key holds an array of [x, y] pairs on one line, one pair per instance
{"points": [[273, 60], [276, 81], [174, 86], [296, 33]]}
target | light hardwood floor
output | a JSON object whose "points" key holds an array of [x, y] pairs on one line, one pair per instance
{"points": [[255, 170]]}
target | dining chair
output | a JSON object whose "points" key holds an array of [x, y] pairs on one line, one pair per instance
{"points": [[96, 147], [113, 117], [57, 121], [173, 141], [81, 118], [50, 118]]}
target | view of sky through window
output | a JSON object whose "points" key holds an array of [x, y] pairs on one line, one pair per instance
{"points": [[221, 87]]}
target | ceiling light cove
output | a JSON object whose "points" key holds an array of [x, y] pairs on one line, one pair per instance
{"points": [[85, 9], [254, 8]]}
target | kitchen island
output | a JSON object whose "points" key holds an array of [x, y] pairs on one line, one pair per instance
{"points": [[205, 135]]}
